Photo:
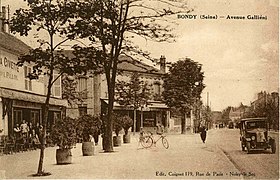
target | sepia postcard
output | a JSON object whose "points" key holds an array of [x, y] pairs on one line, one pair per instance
{"points": [[139, 89]]}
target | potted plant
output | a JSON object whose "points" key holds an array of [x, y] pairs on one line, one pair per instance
{"points": [[117, 128], [126, 123], [89, 127], [63, 134]]}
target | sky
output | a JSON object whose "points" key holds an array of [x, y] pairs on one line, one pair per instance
{"points": [[239, 57]]}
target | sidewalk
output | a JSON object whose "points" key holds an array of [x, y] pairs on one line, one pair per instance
{"points": [[186, 153]]}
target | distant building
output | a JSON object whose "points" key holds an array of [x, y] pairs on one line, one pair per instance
{"points": [[236, 113], [264, 98]]}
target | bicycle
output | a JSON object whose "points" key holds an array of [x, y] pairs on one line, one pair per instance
{"points": [[163, 140], [145, 139]]}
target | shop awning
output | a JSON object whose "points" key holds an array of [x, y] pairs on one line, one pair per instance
{"points": [[152, 105], [30, 97]]}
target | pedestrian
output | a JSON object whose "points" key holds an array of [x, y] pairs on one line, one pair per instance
{"points": [[34, 139], [37, 129], [159, 129], [24, 129], [30, 125], [96, 137], [17, 133], [203, 134]]}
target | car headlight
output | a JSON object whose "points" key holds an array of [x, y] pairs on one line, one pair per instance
{"points": [[253, 138]]}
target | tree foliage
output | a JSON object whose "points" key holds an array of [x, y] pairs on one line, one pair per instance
{"points": [[269, 109], [111, 26], [64, 133], [183, 86], [88, 125], [69, 90], [134, 93]]}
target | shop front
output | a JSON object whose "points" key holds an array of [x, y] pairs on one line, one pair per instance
{"points": [[148, 117], [16, 106]]}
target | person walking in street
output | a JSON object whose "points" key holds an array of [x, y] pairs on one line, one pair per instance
{"points": [[203, 134]]}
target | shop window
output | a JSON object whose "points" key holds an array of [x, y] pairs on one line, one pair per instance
{"points": [[149, 119], [35, 117], [28, 82], [17, 117]]}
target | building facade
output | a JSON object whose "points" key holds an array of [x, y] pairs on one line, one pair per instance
{"points": [[20, 97], [95, 99]]}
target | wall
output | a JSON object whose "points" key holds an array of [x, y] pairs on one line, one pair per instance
{"points": [[150, 78], [12, 76]]}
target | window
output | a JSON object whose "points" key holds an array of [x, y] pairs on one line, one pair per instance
{"points": [[28, 83], [56, 89], [82, 86], [157, 88]]}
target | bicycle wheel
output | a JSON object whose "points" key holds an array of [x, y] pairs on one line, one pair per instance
{"points": [[165, 143], [147, 142]]}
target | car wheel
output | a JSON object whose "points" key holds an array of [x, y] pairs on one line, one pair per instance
{"points": [[248, 147], [273, 147]]}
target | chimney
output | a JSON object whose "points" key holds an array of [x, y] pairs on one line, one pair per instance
{"points": [[162, 64], [4, 20]]}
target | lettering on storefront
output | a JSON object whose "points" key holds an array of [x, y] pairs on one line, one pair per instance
{"points": [[8, 64]]}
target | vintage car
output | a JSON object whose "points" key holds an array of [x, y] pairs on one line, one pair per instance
{"points": [[254, 135]]}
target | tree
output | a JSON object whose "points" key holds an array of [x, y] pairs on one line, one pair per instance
{"points": [[111, 26], [225, 115], [269, 109], [207, 117], [51, 20], [183, 86], [134, 93]]}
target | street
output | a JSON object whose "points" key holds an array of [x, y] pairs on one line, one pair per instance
{"points": [[261, 164], [187, 158]]}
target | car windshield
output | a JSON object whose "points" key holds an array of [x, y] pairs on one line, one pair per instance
{"points": [[255, 124]]}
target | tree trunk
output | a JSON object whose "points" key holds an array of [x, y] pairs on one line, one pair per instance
{"points": [[183, 123], [108, 135], [134, 121], [45, 119]]}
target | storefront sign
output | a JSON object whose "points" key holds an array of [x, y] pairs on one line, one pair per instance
{"points": [[10, 69]]}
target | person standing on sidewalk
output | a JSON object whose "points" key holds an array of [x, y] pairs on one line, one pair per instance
{"points": [[203, 134], [24, 129]]}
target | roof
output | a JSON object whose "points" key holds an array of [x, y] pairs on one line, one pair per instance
{"points": [[11, 43], [130, 64], [127, 64]]}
